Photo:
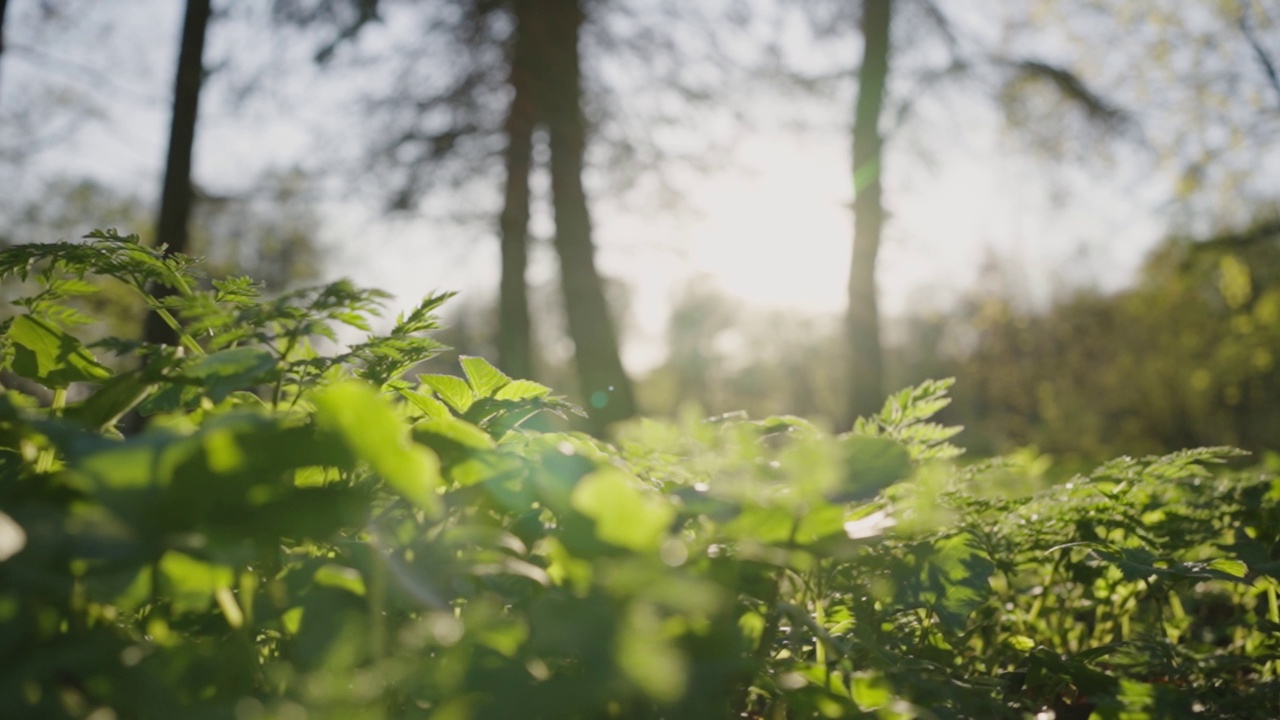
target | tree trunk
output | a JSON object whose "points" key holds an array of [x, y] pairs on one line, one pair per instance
{"points": [[176, 196], [862, 320], [4, 5], [603, 382], [515, 345]]}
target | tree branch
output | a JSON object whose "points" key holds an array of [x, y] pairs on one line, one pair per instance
{"points": [[1268, 66]]}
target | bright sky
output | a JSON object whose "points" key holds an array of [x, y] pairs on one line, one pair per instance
{"points": [[773, 229]]}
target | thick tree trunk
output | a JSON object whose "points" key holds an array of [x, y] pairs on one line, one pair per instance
{"points": [[515, 344], [602, 379], [862, 321], [176, 195]]}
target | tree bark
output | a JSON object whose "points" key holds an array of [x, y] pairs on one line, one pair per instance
{"points": [[603, 381], [176, 195], [515, 344], [862, 320]]}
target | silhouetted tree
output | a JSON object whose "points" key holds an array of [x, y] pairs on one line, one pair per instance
{"points": [[4, 5], [530, 52], [172, 229]]}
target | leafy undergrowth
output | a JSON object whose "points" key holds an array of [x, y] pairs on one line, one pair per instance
{"points": [[301, 535]]}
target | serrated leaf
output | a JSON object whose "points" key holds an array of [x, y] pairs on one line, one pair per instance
{"points": [[430, 407], [226, 371], [49, 356], [522, 390], [484, 378], [453, 390], [456, 431]]}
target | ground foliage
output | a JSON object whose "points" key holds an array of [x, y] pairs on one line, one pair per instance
{"points": [[306, 534]]}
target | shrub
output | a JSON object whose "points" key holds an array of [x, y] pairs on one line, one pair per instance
{"points": [[300, 534]]}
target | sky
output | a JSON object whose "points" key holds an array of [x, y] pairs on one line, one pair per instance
{"points": [[772, 226]]}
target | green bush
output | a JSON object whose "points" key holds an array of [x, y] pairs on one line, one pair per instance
{"points": [[305, 535]]}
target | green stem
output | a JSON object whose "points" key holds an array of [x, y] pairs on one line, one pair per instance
{"points": [[185, 291], [187, 341], [44, 461], [377, 604]]}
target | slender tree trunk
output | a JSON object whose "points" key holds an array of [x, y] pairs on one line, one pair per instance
{"points": [[176, 195], [515, 345], [602, 379], [862, 320], [4, 5]]}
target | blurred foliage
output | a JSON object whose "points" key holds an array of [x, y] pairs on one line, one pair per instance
{"points": [[297, 534], [1185, 357], [269, 232]]}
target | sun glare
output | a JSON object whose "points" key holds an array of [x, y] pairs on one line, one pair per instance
{"points": [[777, 232]]}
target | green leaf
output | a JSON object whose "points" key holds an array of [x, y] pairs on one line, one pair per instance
{"points": [[870, 690], [368, 425], [193, 583], [648, 657], [453, 390], [113, 399], [459, 434], [624, 514], [872, 464], [951, 576], [49, 356], [340, 576], [1234, 568], [484, 378], [229, 370], [431, 407], [522, 390]]}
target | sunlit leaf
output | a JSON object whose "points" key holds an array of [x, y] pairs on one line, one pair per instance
{"points": [[624, 515], [522, 390], [453, 390], [49, 356], [340, 576], [483, 377], [430, 407], [193, 582], [368, 424]]}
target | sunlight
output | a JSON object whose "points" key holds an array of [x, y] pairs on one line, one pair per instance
{"points": [[778, 231]]}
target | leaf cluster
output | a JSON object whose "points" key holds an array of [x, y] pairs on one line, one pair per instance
{"points": [[300, 533]]}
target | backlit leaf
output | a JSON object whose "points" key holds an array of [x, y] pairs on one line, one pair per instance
{"points": [[453, 390], [49, 356], [368, 424], [483, 377], [624, 514]]}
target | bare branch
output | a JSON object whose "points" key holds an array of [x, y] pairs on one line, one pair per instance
{"points": [[1073, 88], [1264, 59]]}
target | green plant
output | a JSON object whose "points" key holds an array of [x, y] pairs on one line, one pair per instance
{"points": [[300, 533]]}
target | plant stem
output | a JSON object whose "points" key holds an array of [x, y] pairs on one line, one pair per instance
{"points": [[44, 461]]}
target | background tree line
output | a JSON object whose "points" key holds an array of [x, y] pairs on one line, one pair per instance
{"points": [[480, 96]]}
